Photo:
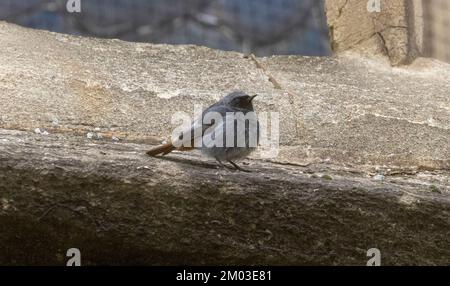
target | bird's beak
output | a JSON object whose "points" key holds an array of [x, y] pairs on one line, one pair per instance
{"points": [[252, 97]]}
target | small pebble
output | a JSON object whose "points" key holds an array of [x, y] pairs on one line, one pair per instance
{"points": [[378, 178], [55, 122], [115, 139], [40, 131], [89, 135], [144, 167]]}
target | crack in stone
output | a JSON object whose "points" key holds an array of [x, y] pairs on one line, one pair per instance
{"points": [[341, 9], [276, 85], [274, 82], [378, 34], [398, 119], [383, 41]]}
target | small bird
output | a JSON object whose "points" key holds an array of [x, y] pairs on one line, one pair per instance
{"points": [[233, 103]]}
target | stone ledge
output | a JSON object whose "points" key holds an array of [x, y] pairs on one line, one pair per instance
{"points": [[119, 206]]}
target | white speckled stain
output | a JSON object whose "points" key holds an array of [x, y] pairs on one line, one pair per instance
{"points": [[5, 204], [408, 199], [168, 94], [126, 87], [139, 48]]}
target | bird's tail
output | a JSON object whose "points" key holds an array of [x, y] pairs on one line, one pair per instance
{"points": [[162, 149]]}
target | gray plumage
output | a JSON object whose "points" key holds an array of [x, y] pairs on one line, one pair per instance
{"points": [[248, 137], [232, 103]]}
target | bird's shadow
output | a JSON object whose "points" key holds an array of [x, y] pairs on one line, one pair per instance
{"points": [[192, 162]]}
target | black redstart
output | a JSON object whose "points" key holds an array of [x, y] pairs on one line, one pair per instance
{"points": [[244, 131]]}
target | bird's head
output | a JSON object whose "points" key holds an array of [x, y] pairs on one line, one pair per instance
{"points": [[238, 99]]}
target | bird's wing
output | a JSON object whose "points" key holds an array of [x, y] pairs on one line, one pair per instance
{"points": [[198, 127], [240, 137], [214, 135], [215, 129]]}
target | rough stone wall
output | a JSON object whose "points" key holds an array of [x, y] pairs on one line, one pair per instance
{"points": [[363, 157], [395, 30]]}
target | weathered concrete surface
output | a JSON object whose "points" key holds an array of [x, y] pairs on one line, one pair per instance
{"points": [[119, 206], [346, 118], [395, 30], [345, 110], [351, 110], [129, 89]]}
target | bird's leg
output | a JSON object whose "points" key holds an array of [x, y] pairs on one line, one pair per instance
{"points": [[222, 164], [237, 167]]}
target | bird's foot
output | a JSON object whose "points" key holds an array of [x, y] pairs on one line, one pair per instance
{"points": [[224, 166], [239, 168]]}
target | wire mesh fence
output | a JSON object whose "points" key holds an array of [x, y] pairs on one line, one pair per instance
{"points": [[437, 29], [263, 27]]}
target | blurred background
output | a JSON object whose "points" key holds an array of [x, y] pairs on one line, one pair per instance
{"points": [[263, 27], [436, 15]]}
